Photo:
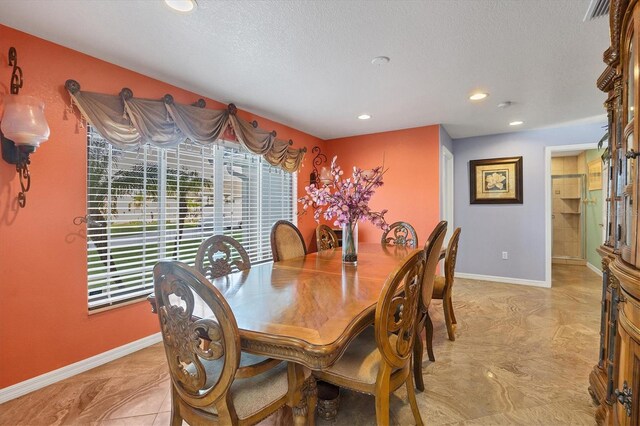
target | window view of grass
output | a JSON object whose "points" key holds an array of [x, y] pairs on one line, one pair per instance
{"points": [[157, 204]]}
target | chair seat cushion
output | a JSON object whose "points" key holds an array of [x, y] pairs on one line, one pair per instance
{"points": [[252, 394], [361, 361], [438, 287]]}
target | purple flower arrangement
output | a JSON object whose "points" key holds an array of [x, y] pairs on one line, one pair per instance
{"points": [[346, 201]]}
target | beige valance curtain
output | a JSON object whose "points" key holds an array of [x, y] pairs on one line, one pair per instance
{"points": [[128, 123]]}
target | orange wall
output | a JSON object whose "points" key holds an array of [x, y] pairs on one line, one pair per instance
{"points": [[411, 184], [44, 324]]}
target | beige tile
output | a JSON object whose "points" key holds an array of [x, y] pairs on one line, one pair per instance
{"points": [[164, 419], [570, 165], [147, 420], [573, 221], [572, 249], [166, 403], [556, 413]]}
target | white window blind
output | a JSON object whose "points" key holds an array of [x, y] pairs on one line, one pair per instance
{"points": [[162, 203]]}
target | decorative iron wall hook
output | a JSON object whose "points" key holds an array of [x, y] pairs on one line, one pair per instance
{"points": [[16, 74], [318, 160]]}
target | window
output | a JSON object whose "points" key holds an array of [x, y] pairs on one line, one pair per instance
{"points": [[157, 203]]}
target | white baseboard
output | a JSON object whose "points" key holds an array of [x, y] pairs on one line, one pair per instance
{"points": [[594, 269], [46, 379], [506, 280]]}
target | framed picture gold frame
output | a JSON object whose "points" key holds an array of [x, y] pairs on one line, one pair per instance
{"points": [[594, 180], [496, 181]]}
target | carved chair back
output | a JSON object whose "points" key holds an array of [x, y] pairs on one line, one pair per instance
{"points": [[400, 234], [326, 238], [190, 354], [450, 258], [397, 311], [432, 253], [286, 241], [221, 255]]}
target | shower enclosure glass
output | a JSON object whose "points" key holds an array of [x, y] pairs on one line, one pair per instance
{"points": [[568, 216]]}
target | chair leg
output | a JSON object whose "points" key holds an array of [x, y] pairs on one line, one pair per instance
{"points": [[411, 394], [446, 304], [382, 394], [176, 418], [453, 316], [429, 336], [417, 356], [382, 408]]}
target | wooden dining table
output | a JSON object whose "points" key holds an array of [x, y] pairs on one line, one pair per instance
{"points": [[306, 310]]}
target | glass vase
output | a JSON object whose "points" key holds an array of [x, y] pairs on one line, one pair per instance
{"points": [[350, 243]]}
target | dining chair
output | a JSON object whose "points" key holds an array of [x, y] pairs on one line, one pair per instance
{"points": [[214, 259], [286, 241], [400, 234], [443, 284], [432, 249], [212, 380], [326, 238], [221, 255], [378, 360]]}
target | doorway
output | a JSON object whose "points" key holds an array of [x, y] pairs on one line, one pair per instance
{"points": [[574, 199], [568, 209], [446, 194]]}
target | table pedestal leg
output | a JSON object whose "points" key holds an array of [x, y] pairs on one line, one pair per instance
{"points": [[298, 398], [328, 400], [311, 393]]}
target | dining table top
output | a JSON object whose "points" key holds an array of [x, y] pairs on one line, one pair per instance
{"points": [[308, 309]]}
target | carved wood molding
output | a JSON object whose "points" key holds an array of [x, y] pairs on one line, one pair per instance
{"points": [[617, 90], [301, 352], [605, 251], [315, 361], [603, 412], [629, 326], [626, 276], [605, 81], [611, 56], [597, 385], [616, 16]]}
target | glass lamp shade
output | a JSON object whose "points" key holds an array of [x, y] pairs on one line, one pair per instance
{"points": [[23, 120], [325, 176]]}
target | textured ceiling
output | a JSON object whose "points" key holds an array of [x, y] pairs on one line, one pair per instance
{"points": [[308, 64]]}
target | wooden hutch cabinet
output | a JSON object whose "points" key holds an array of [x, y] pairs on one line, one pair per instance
{"points": [[615, 380]]}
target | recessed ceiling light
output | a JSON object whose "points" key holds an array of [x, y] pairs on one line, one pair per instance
{"points": [[478, 96], [181, 5], [364, 117], [516, 123], [380, 60]]}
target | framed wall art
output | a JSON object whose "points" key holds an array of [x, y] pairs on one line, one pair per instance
{"points": [[496, 181], [595, 175]]}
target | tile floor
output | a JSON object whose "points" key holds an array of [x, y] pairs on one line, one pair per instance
{"points": [[522, 356]]}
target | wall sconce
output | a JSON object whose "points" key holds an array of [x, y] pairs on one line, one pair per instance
{"points": [[23, 127], [316, 176]]}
